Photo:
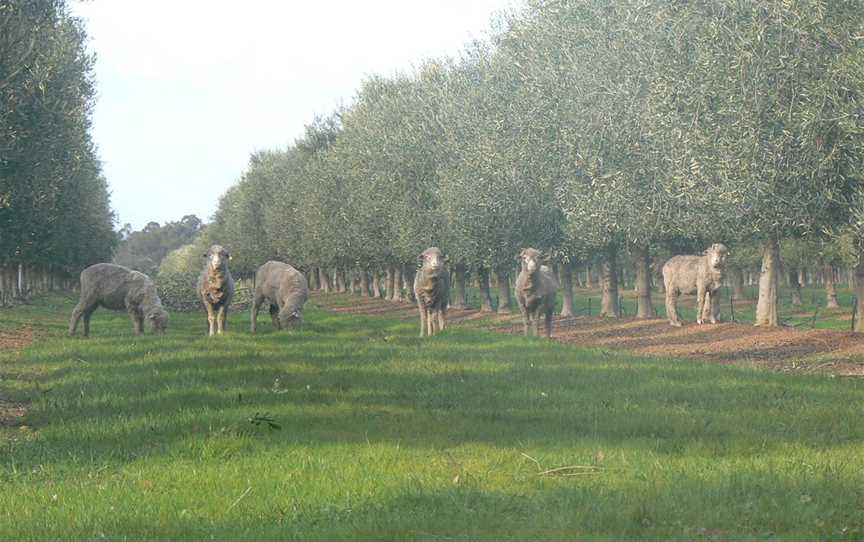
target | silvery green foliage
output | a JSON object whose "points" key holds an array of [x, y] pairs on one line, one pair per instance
{"points": [[579, 125]]}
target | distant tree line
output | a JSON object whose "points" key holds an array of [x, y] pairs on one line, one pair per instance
{"points": [[145, 250], [594, 130], [55, 215]]}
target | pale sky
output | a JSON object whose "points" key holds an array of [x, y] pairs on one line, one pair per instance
{"points": [[187, 89]]}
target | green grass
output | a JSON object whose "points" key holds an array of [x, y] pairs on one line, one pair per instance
{"points": [[388, 437]]}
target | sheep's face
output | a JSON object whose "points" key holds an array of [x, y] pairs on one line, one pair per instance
{"points": [[531, 259], [291, 317], [717, 255], [432, 259], [158, 320], [217, 257]]}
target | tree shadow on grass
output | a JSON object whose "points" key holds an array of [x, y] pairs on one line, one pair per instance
{"points": [[373, 386], [351, 380], [660, 507]]}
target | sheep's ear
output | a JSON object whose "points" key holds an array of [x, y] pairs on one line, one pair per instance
{"points": [[205, 254], [519, 256]]}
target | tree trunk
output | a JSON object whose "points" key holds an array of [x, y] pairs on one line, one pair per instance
{"points": [[589, 278], [340, 281], [644, 306], [566, 272], [376, 284], [503, 292], [364, 283], [325, 279], [736, 277], [576, 277], [859, 296], [609, 301], [457, 296], [795, 285], [483, 285], [766, 307], [397, 284], [408, 272], [830, 289], [388, 281]]}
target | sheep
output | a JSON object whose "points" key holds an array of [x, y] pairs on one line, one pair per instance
{"points": [[700, 274], [116, 287], [287, 291], [432, 290], [216, 288], [536, 290]]}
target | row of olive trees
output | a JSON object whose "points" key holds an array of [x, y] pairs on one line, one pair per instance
{"points": [[55, 215], [581, 128]]}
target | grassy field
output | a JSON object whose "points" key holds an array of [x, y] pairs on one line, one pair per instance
{"points": [[354, 429]]}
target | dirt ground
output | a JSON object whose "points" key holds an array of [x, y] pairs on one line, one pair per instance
{"points": [[781, 349], [11, 412]]}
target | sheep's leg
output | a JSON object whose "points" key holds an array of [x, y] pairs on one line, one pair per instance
{"points": [[715, 306], [442, 319], [422, 310], [536, 321], [137, 321], [430, 322], [88, 312], [549, 323], [525, 319], [211, 320], [274, 316], [253, 311], [221, 315], [708, 307], [671, 306], [79, 309], [700, 304]]}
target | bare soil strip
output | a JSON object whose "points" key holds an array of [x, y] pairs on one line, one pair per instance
{"points": [[12, 412], [782, 349]]}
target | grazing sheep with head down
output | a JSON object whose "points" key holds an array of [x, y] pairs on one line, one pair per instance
{"points": [[285, 289], [432, 290], [700, 274], [216, 288], [116, 287], [536, 289]]}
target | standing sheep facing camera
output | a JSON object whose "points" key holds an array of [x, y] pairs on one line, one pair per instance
{"points": [[286, 290], [216, 288], [700, 274], [116, 287], [536, 290], [432, 290]]}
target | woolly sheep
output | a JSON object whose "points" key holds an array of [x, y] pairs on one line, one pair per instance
{"points": [[116, 287], [216, 288], [700, 274], [432, 290], [536, 290], [285, 289]]}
